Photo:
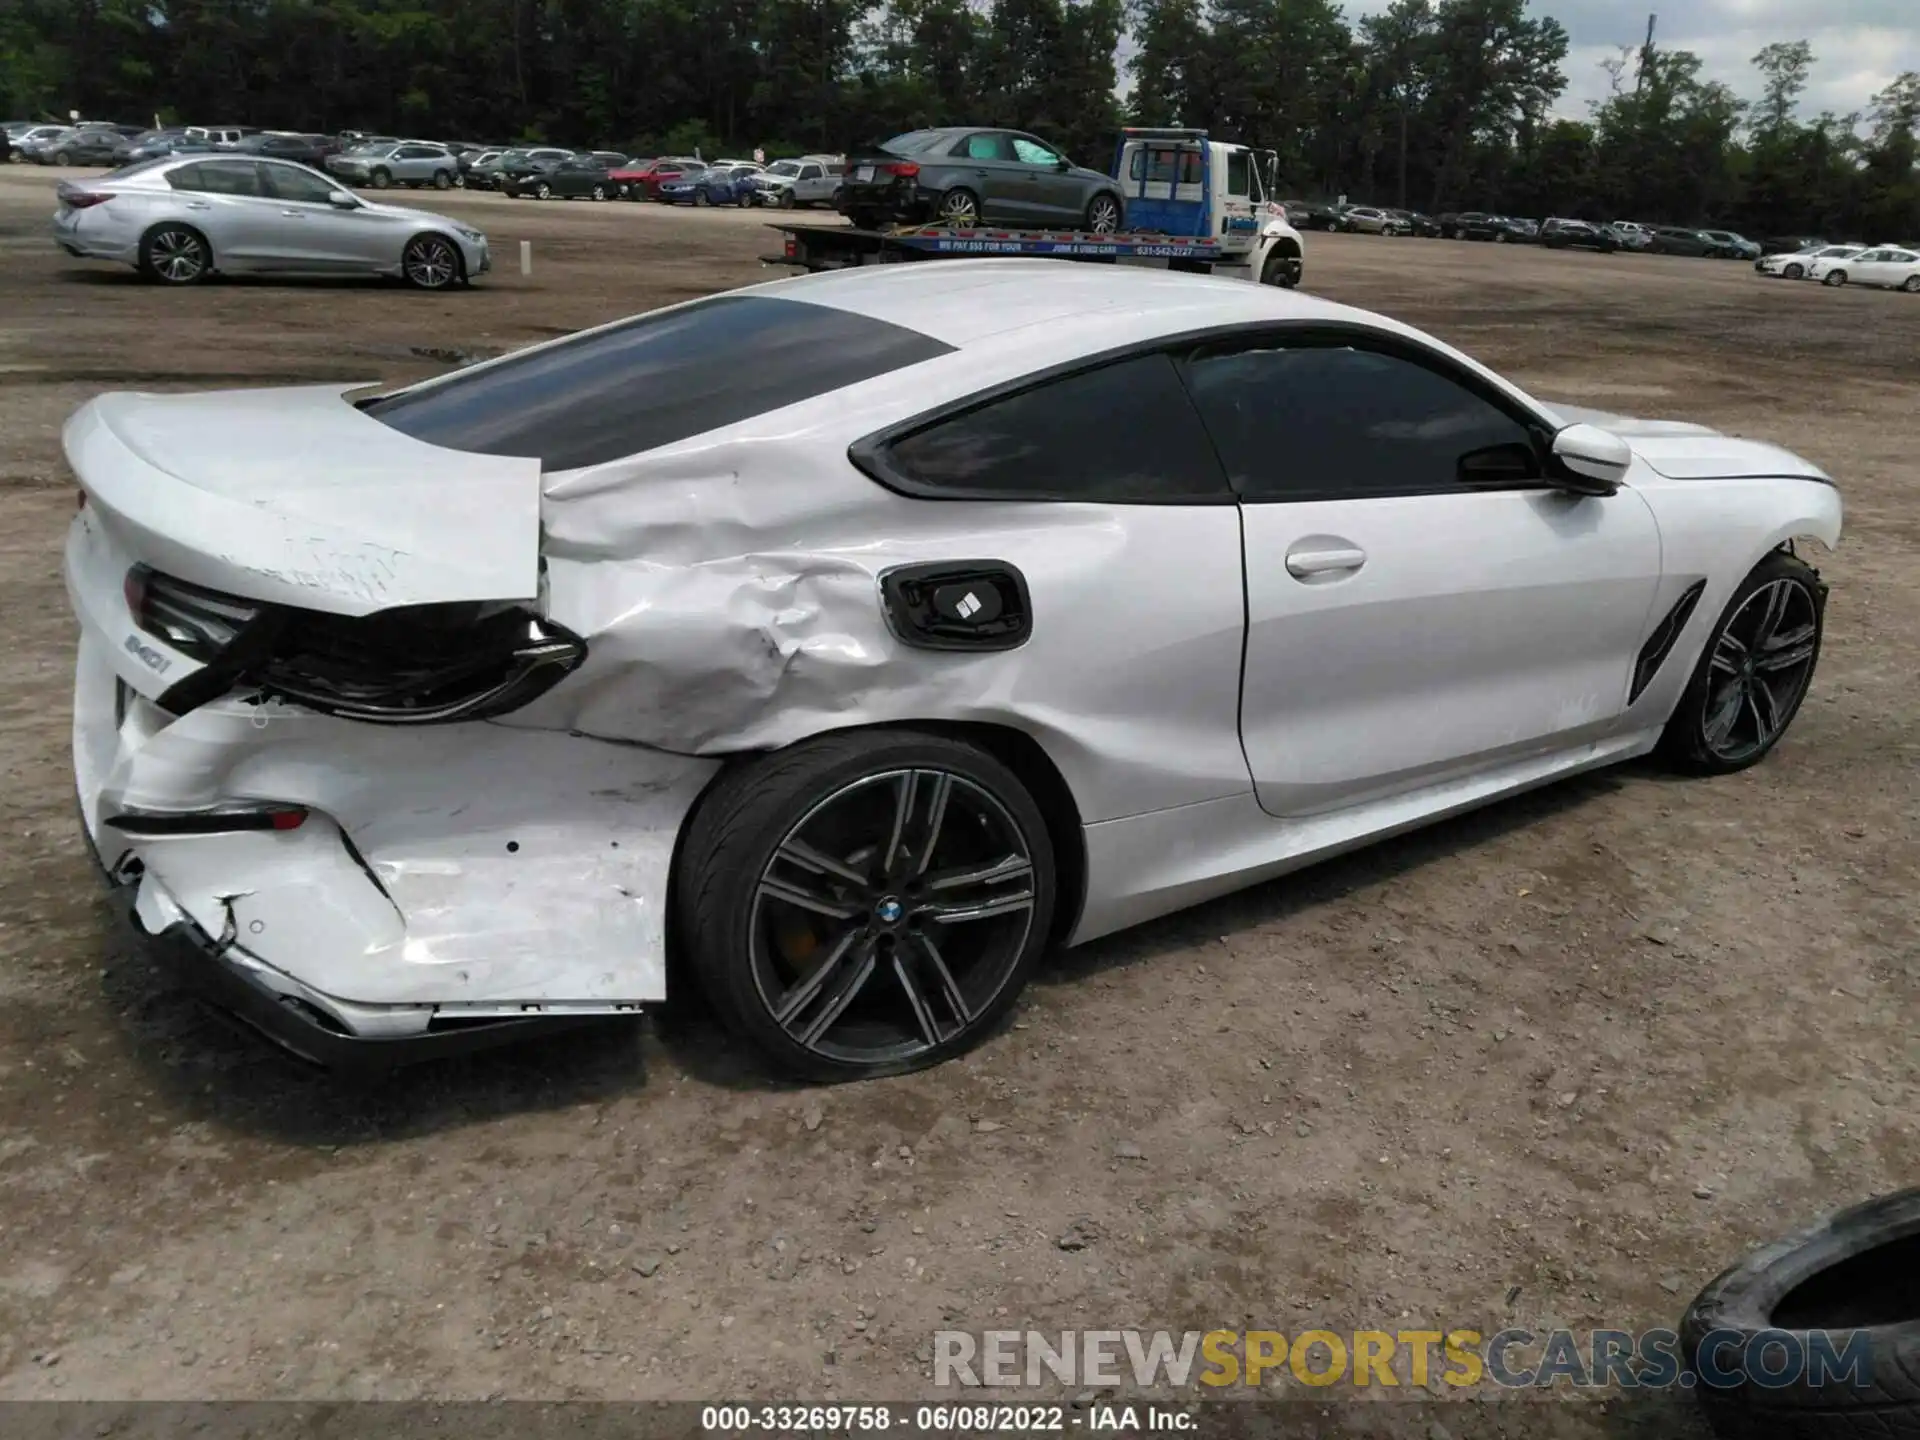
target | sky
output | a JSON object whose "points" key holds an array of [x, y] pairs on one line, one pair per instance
{"points": [[1858, 45]]}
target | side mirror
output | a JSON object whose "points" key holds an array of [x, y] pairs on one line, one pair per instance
{"points": [[1590, 460], [1061, 162], [343, 200]]}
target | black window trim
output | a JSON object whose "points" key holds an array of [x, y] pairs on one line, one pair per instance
{"points": [[871, 453]]}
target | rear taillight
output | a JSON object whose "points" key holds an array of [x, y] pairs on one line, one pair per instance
{"points": [[793, 247], [198, 622], [83, 199], [905, 169]]}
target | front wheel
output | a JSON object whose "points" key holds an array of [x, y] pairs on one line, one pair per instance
{"points": [[543, 191], [1912, 285], [1276, 270], [61, 157], [867, 903], [381, 179], [1754, 672], [430, 262], [442, 180], [1835, 278], [700, 200], [599, 192], [1103, 215]]}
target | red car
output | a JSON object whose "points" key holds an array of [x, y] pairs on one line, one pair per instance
{"points": [[641, 179]]}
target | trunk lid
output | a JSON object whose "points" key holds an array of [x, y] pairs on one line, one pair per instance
{"points": [[294, 497]]}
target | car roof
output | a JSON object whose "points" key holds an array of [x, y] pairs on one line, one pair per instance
{"points": [[965, 302]]}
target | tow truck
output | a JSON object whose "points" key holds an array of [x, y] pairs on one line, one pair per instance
{"points": [[1191, 203]]}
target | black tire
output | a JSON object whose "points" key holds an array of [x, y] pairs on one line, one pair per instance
{"points": [[1835, 278], [1756, 665], [380, 179], [1103, 214], [442, 180], [700, 200], [1276, 271], [173, 254], [1795, 272], [959, 208], [853, 789], [61, 157], [784, 199], [432, 262], [543, 191], [1912, 285], [744, 200], [599, 192], [1851, 1280]]}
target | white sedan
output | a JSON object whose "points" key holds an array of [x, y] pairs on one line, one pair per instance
{"points": [[1888, 267], [997, 604], [1794, 265]]}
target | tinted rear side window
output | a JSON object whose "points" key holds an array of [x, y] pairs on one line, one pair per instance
{"points": [[652, 380], [1123, 434]]}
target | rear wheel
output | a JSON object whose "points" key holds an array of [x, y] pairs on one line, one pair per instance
{"points": [[1835, 278], [1103, 215], [1754, 672], [744, 199], [442, 180], [175, 255], [381, 179], [61, 157], [700, 198], [1912, 285], [960, 208], [784, 199], [866, 903], [430, 262]]}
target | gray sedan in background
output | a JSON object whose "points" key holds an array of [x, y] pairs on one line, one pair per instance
{"points": [[182, 219]]}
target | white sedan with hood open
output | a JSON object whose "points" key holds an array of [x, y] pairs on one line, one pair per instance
{"points": [[864, 634]]}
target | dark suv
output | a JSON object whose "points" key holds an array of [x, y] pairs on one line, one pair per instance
{"points": [[1478, 225], [1576, 235], [963, 177]]}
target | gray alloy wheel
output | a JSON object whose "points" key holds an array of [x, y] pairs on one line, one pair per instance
{"points": [[61, 157], [442, 180], [1103, 215], [430, 262], [700, 199], [1835, 278], [599, 192], [865, 904], [175, 255], [1755, 672], [744, 199], [960, 209], [543, 191], [1912, 285], [381, 179]]}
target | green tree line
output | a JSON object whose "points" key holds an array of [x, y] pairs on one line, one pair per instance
{"points": [[1435, 104]]}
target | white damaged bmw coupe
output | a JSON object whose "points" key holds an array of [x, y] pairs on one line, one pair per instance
{"points": [[857, 637]]}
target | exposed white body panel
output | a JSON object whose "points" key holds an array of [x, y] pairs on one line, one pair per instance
{"points": [[727, 587]]}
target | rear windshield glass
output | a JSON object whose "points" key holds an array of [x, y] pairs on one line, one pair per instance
{"points": [[652, 380]]}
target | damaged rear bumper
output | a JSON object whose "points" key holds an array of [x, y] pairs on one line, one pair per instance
{"points": [[448, 887], [278, 1008]]}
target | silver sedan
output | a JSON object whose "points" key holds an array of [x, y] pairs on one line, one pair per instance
{"points": [[181, 219]]}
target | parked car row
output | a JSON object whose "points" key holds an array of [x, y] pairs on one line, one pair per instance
{"points": [[1556, 232], [1890, 267]]}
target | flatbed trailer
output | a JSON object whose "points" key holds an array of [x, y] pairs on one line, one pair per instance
{"points": [[814, 248]]}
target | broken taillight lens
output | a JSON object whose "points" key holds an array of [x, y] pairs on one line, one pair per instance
{"points": [[423, 665], [198, 622]]}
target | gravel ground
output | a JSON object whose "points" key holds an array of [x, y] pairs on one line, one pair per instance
{"points": [[1557, 1062]]}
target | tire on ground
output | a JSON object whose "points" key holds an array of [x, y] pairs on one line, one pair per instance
{"points": [[1683, 742], [1847, 1290], [747, 813]]}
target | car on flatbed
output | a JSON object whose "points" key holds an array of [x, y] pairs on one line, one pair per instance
{"points": [[1191, 203], [968, 175]]}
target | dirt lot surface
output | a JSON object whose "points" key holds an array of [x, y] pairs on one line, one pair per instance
{"points": [[1558, 1062]]}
